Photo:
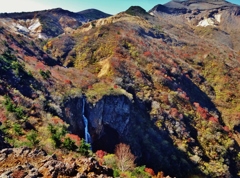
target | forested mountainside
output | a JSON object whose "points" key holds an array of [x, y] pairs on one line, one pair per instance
{"points": [[142, 94]]}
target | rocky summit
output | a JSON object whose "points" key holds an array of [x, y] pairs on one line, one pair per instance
{"points": [[136, 94]]}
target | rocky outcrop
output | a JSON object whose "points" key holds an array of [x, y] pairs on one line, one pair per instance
{"points": [[20, 161], [26, 162]]}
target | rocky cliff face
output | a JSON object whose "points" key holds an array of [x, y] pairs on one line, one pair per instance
{"points": [[115, 119], [110, 117]]}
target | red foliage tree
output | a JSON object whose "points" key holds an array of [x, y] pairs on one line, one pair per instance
{"points": [[19, 173], [68, 82], [100, 153], [74, 138], [201, 111], [174, 112], [226, 129], [138, 74], [213, 119], [147, 54], [30, 58], [150, 171], [90, 87], [40, 65], [183, 95], [3, 118], [57, 120]]}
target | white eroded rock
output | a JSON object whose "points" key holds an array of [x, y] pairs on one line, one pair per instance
{"points": [[218, 17], [206, 22], [35, 24]]}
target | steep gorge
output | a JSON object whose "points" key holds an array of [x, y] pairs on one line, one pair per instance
{"points": [[116, 119]]}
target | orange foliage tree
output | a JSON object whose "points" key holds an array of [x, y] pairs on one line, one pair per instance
{"points": [[149, 171]]}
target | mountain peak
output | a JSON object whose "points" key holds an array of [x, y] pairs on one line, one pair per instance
{"points": [[136, 11], [93, 14]]}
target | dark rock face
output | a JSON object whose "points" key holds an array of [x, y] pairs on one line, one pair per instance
{"points": [[2, 142], [72, 113], [168, 10], [110, 115], [236, 11], [112, 111]]}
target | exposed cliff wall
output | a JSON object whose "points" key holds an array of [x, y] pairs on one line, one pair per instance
{"points": [[116, 119]]}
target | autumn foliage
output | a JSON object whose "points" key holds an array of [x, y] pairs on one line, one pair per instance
{"points": [[74, 138], [147, 54], [125, 159], [201, 111], [150, 171], [100, 153]]}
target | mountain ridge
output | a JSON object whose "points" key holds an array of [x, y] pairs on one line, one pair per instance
{"points": [[222, 18], [48, 23]]}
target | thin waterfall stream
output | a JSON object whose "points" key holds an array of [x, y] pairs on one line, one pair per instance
{"points": [[85, 120]]}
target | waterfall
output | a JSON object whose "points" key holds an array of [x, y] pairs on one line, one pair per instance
{"points": [[85, 120]]}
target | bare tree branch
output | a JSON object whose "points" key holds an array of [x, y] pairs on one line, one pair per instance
{"points": [[125, 159]]}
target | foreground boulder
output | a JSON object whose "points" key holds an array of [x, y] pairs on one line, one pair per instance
{"points": [[26, 162]]}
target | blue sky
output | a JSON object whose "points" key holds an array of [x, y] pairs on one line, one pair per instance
{"points": [[108, 6]]}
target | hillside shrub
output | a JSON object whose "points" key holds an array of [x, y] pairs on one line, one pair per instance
{"points": [[8, 104], [46, 74], [110, 161], [16, 67], [57, 133], [32, 138], [69, 144], [116, 173], [140, 171], [11, 107], [84, 148], [17, 129]]}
